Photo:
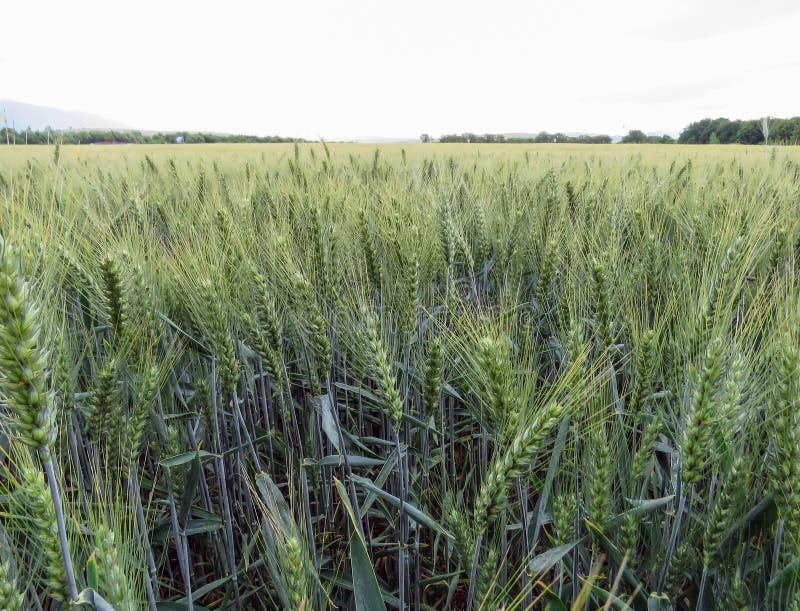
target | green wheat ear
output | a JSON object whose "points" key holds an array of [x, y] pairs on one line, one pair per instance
{"points": [[102, 405], [447, 235], [547, 272], [564, 506], [23, 382], [35, 498], [698, 428], [432, 382], [370, 255], [146, 394], [710, 308], [113, 290], [463, 537], [495, 363], [642, 376], [23, 363], [508, 465], [219, 338], [599, 477], [726, 504], [111, 578], [482, 237], [313, 323], [486, 577], [785, 463], [602, 308], [264, 331], [10, 597], [296, 579], [381, 367]]}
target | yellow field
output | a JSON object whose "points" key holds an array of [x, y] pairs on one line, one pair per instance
{"points": [[652, 154]]}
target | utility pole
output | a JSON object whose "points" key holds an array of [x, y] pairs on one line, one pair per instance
{"points": [[765, 129]]}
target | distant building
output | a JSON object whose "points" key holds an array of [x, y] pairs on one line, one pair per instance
{"points": [[178, 139]]}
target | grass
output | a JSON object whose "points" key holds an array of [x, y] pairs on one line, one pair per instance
{"points": [[418, 376]]}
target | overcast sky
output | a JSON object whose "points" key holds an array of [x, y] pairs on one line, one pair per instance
{"points": [[360, 68]]}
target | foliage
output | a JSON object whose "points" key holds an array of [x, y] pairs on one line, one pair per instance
{"points": [[725, 131], [636, 136]]}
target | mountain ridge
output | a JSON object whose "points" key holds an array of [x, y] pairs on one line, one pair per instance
{"points": [[21, 116]]}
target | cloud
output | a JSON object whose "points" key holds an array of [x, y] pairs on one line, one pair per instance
{"points": [[710, 19], [696, 91], [791, 65], [664, 94], [710, 108]]}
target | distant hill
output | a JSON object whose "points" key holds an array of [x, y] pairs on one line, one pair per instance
{"points": [[22, 116]]}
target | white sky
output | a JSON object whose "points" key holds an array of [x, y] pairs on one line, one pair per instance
{"points": [[358, 68]]}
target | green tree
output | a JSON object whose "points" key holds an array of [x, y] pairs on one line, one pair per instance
{"points": [[749, 133], [635, 136]]}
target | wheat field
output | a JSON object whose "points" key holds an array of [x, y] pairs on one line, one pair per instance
{"points": [[406, 376]]}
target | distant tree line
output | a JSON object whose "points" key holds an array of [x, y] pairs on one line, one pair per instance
{"points": [[94, 136], [540, 138], [725, 131], [636, 136], [706, 131]]}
